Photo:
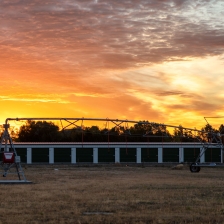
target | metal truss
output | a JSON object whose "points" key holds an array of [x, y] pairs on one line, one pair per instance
{"points": [[215, 139], [116, 122], [7, 166]]}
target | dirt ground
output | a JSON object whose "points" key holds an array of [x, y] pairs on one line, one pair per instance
{"points": [[114, 194]]}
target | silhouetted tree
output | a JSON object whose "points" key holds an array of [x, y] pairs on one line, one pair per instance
{"points": [[221, 131], [40, 131], [43, 131], [207, 131], [183, 135]]}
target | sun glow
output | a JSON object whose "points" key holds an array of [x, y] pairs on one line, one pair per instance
{"points": [[159, 60]]}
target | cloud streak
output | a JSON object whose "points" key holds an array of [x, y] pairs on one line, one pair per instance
{"points": [[111, 34], [145, 53]]}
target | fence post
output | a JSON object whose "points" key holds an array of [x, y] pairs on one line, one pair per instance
{"points": [[138, 155], [51, 155], [95, 155], [160, 155], [73, 155], [181, 155], [117, 155], [202, 159], [29, 155]]}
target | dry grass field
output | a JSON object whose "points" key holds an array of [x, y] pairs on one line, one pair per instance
{"points": [[112, 194]]}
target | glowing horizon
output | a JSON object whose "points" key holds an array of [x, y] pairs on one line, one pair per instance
{"points": [[160, 61]]}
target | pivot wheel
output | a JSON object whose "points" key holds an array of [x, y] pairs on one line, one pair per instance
{"points": [[194, 169]]}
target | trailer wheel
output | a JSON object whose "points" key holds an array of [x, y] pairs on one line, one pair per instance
{"points": [[194, 169]]}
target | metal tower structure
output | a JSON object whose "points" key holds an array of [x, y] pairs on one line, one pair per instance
{"points": [[11, 159], [215, 139]]}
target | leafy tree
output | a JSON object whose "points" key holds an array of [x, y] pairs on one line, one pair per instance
{"points": [[183, 135], [208, 130], [1, 130], [221, 131], [40, 131], [14, 133], [92, 134], [140, 132], [43, 131], [161, 134], [178, 134]]}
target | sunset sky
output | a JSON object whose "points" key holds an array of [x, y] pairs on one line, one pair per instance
{"points": [[155, 60]]}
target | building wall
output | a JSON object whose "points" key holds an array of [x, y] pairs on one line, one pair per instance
{"points": [[114, 153]]}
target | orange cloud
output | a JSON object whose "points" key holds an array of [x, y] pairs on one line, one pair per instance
{"points": [[148, 60]]}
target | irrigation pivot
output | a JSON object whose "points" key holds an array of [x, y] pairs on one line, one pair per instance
{"points": [[11, 159], [215, 139]]}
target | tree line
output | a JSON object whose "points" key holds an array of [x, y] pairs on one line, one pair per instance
{"points": [[43, 131]]}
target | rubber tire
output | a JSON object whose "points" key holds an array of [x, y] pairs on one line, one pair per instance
{"points": [[194, 169]]}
